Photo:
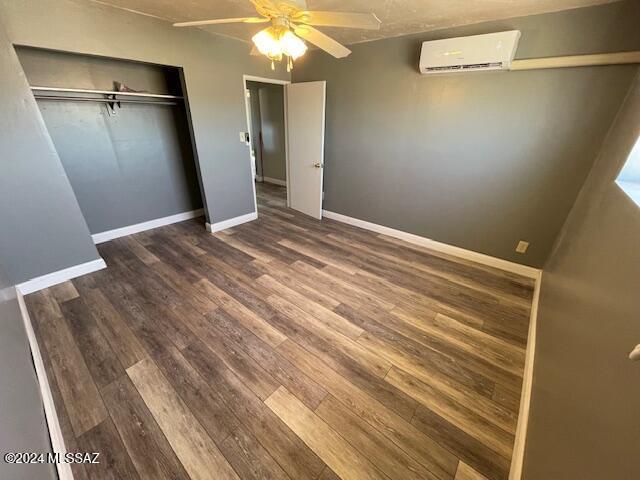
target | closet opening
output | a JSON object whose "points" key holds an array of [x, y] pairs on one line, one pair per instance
{"points": [[121, 129]]}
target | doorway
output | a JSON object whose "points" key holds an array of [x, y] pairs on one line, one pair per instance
{"points": [[285, 124], [266, 128]]}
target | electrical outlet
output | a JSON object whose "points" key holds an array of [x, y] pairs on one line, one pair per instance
{"points": [[522, 246]]}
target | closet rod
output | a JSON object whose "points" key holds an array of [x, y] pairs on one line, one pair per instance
{"points": [[104, 92], [102, 100]]}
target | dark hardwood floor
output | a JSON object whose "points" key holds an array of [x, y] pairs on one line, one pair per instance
{"points": [[285, 348]]}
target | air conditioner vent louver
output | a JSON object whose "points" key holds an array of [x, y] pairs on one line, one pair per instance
{"points": [[493, 51], [475, 66]]}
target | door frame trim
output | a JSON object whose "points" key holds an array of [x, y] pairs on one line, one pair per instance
{"points": [[247, 108]]}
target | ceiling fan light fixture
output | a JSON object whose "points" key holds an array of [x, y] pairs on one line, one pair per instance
{"points": [[276, 41], [293, 45]]}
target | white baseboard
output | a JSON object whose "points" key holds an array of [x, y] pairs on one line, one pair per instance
{"points": [[517, 459], [54, 278], [232, 222], [275, 181], [141, 227], [477, 257], [51, 416]]}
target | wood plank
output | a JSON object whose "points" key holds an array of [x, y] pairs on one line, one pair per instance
{"points": [[385, 455], [472, 423], [403, 344], [101, 361], [114, 329], [267, 241], [246, 248], [507, 398], [326, 316], [420, 349], [317, 255], [249, 458], [79, 392], [128, 304], [293, 280], [235, 358], [347, 367], [114, 462], [463, 445], [202, 399], [197, 452], [252, 322], [524, 282], [415, 443], [146, 445], [423, 265], [339, 455], [328, 474], [183, 286], [465, 472], [370, 361], [64, 292], [343, 291], [295, 458], [499, 352], [152, 299], [446, 294], [272, 362], [140, 251], [71, 443], [449, 388], [231, 255]]}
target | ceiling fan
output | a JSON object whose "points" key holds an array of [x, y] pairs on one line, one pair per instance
{"points": [[290, 23]]}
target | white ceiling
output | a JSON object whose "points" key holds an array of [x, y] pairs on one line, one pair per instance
{"points": [[399, 17]]}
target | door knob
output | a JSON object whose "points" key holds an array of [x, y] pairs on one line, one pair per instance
{"points": [[318, 165]]}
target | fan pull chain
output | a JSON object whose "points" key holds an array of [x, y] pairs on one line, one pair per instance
{"points": [[273, 65]]}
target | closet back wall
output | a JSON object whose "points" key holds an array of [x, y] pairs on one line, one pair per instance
{"points": [[128, 168]]}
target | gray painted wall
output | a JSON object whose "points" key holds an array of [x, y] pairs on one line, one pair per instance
{"points": [[267, 117], [23, 426], [213, 68], [585, 420], [477, 160], [41, 226], [124, 169], [272, 126]]}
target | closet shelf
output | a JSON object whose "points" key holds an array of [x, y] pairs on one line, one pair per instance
{"points": [[104, 92], [103, 100]]}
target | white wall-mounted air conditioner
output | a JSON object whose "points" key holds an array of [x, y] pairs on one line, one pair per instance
{"points": [[492, 51]]}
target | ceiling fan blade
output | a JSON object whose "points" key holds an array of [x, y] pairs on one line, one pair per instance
{"points": [[367, 21], [218, 21], [321, 40]]}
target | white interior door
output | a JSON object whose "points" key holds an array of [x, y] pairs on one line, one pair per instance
{"points": [[305, 145]]}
